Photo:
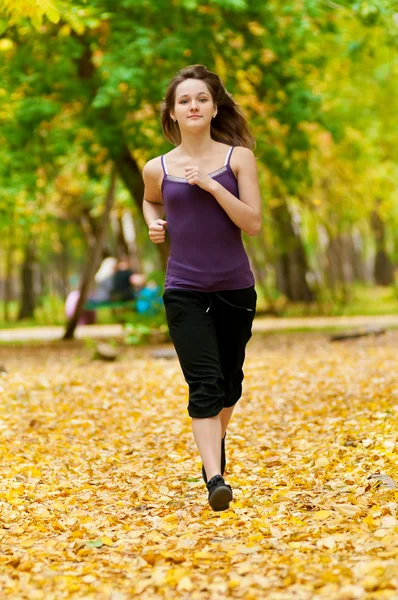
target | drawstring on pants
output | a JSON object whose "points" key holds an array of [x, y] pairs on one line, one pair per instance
{"points": [[229, 303], [209, 307]]}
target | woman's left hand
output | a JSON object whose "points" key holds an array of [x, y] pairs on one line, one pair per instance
{"points": [[195, 176]]}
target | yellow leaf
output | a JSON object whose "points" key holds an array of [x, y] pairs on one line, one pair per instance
{"points": [[370, 521], [6, 44], [322, 514], [321, 462], [34, 472], [370, 583], [327, 542], [255, 28], [185, 584], [350, 592], [15, 501], [37, 20], [380, 533], [106, 541], [175, 558], [248, 549], [134, 535], [203, 555], [348, 510], [19, 530], [89, 579], [52, 14], [170, 518]]}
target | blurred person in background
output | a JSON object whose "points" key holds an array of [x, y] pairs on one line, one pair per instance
{"points": [[125, 282], [115, 281], [103, 280]]}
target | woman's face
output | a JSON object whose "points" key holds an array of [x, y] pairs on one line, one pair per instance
{"points": [[194, 107]]}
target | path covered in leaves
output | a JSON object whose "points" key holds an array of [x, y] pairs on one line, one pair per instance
{"points": [[101, 496]]}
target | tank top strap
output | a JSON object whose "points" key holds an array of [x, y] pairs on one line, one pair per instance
{"points": [[164, 165], [228, 157]]}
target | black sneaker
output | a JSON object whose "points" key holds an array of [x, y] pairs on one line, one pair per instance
{"points": [[223, 460], [220, 494]]}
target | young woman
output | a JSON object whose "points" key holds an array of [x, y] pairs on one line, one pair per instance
{"points": [[207, 187]]}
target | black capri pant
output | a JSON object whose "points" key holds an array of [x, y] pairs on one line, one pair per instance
{"points": [[210, 331]]}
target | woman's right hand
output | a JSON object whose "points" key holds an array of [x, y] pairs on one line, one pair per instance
{"points": [[157, 231]]}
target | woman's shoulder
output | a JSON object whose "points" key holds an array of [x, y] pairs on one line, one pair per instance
{"points": [[153, 164], [153, 168], [243, 152], [243, 160], [242, 155]]}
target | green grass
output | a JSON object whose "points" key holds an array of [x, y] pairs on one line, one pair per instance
{"points": [[372, 301], [364, 300], [50, 311]]}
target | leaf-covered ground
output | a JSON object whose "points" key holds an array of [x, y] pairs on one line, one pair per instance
{"points": [[101, 496]]}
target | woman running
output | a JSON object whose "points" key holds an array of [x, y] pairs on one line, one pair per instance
{"points": [[207, 187]]}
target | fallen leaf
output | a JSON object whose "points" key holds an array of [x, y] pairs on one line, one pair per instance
{"points": [[321, 462], [322, 514], [348, 510]]}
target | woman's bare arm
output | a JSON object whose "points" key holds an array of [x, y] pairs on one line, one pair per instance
{"points": [[152, 207]]}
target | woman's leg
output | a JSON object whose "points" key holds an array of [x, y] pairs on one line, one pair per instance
{"points": [[233, 324], [234, 311], [192, 330], [207, 435], [225, 417]]}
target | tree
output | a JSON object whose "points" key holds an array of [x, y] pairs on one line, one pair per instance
{"points": [[93, 259], [294, 67]]}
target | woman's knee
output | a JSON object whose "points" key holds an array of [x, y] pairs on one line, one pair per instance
{"points": [[206, 398]]}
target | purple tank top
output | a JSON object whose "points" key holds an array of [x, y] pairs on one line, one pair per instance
{"points": [[207, 252]]}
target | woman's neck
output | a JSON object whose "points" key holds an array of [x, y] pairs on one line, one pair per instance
{"points": [[196, 146]]}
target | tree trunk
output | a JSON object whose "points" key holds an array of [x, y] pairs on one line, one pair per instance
{"points": [[257, 251], [89, 227], [8, 276], [93, 259], [355, 244], [63, 266], [291, 265], [345, 261], [337, 274], [335, 262], [383, 267], [352, 266], [27, 306], [121, 243]]}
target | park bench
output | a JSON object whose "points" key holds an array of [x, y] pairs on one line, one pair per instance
{"points": [[93, 305]]}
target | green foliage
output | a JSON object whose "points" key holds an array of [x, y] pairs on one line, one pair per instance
{"points": [[35, 10], [32, 111]]}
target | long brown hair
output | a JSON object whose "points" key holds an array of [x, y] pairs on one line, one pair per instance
{"points": [[228, 126]]}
